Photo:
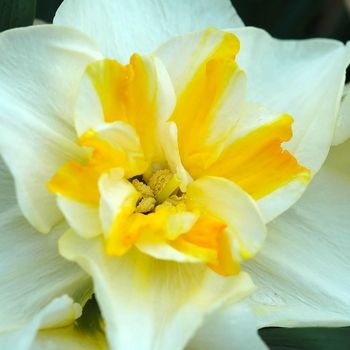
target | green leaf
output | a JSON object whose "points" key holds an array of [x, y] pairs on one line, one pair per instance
{"points": [[306, 338], [16, 13]]}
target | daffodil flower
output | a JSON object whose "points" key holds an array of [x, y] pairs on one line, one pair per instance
{"points": [[165, 164]]}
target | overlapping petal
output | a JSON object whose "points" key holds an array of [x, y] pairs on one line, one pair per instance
{"points": [[303, 270], [230, 328], [222, 135], [148, 23], [204, 74], [60, 312], [33, 273], [139, 93], [303, 78], [52, 327], [135, 300], [36, 127]]}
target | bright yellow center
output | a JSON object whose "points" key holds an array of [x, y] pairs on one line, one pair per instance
{"points": [[152, 213]]}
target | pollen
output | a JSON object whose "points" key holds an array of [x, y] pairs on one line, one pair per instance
{"points": [[159, 180], [162, 188], [146, 205], [175, 200], [142, 188]]}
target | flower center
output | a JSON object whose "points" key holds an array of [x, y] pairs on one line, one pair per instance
{"points": [[161, 188]]}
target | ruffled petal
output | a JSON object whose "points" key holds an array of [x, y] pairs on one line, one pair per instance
{"points": [[147, 303], [118, 202], [210, 90], [254, 159], [148, 24], [223, 199], [302, 272], [139, 94], [114, 145], [60, 312], [303, 78], [36, 126]]}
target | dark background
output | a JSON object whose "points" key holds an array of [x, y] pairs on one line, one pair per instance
{"points": [[283, 19]]}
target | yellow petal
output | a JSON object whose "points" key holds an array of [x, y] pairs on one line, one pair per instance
{"points": [[118, 202], [224, 200], [257, 162], [210, 89], [201, 240], [114, 146], [139, 94]]}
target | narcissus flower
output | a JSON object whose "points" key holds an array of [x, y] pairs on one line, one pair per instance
{"points": [[162, 172]]}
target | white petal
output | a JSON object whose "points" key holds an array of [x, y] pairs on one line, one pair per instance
{"points": [[7, 189], [342, 126], [40, 69], [302, 272], [168, 137], [230, 328], [118, 200], [302, 78], [82, 218], [59, 313], [122, 28], [33, 273], [151, 304]]}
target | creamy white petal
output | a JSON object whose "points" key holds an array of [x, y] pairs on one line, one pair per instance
{"points": [[302, 78], [122, 28], [118, 200], [147, 303], [230, 328], [302, 272], [40, 70], [7, 189], [60, 312], [81, 217], [33, 273], [342, 126], [168, 138]]}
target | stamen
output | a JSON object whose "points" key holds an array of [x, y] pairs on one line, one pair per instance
{"points": [[159, 179], [176, 200], [168, 189], [146, 205], [142, 188]]}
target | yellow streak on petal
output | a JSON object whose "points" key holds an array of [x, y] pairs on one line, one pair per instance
{"points": [[124, 233], [80, 181], [200, 102], [225, 264], [257, 162], [129, 94], [201, 241]]}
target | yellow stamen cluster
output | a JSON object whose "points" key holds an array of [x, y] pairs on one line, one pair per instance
{"points": [[161, 188]]}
